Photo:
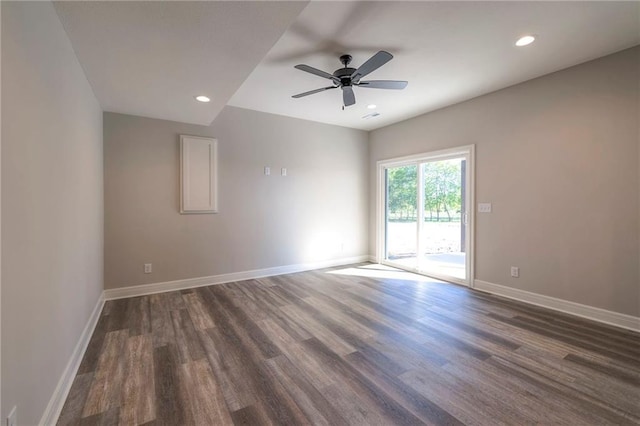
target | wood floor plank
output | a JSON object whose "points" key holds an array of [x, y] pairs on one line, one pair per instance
{"points": [[607, 370], [109, 375], [139, 316], [161, 323], [138, 404], [426, 410], [186, 338], [468, 330], [249, 377], [343, 345], [118, 318], [240, 301], [351, 406], [314, 371], [612, 353], [598, 389], [286, 323], [250, 416], [108, 418], [73, 406], [201, 319], [94, 348], [365, 388], [320, 331], [222, 310], [409, 357], [306, 395], [228, 367], [500, 388], [289, 283], [264, 297], [169, 409], [575, 403], [202, 394], [174, 301], [465, 398], [330, 309]]}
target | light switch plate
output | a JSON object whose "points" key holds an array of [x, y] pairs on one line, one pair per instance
{"points": [[484, 207]]}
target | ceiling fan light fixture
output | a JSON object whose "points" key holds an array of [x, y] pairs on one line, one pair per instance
{"points": [[525, 40], [203, 98]]}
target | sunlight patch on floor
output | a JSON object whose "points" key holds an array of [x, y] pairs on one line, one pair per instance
{"points": [[381, 271]]}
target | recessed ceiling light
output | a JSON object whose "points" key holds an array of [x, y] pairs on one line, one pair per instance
{"points": [[372, 106], [525, 40], [202, 98]]}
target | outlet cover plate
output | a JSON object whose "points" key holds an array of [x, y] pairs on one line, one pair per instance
{"points": [[484, 207]]}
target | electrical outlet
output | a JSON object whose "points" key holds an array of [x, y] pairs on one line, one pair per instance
{"points": [[12, 418], [515, 271], [267, 171], [283, 171], [148, 268]]}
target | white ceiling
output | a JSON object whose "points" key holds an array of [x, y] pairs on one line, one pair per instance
{"points": [[152, 58], [448, 51]]}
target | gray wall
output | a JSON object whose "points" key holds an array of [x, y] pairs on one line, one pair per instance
{"points": [[263, 221], [52, 205], [558, 158]]}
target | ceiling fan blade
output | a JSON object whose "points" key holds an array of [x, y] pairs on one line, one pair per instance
{"points": [[317, 72], [384, 84], [374, 62], [311, 92], [347, 96]]}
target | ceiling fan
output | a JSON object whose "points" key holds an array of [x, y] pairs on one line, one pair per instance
{"points": [[346, 78]]}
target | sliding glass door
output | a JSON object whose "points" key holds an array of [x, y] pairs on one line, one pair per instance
{"points": [[443, 233], [426, 226], [401, 222]]}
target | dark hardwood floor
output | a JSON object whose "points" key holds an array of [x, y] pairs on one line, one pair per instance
{"points": [[335, 347]]}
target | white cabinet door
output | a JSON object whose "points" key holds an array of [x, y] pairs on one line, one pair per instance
{"points": [[198, 175]]}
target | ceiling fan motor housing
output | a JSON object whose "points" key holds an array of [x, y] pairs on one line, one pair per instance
{"points": [[344, 74]]}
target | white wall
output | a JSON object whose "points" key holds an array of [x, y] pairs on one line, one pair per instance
{"points": [[52, 205], [1, 218], [263, 221], [558, 158]]}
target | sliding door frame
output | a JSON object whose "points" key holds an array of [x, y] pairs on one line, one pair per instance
{"points": [[467, 151]]}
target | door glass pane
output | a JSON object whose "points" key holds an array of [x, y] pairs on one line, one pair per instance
{"points": [[402, 216], [443, 232]]}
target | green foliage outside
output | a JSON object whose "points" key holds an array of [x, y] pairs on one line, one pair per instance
{"points": [[442, 201]]}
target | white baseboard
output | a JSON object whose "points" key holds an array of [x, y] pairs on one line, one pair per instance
{"points": [[585, 311], [145, 289], [52, 412]]}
